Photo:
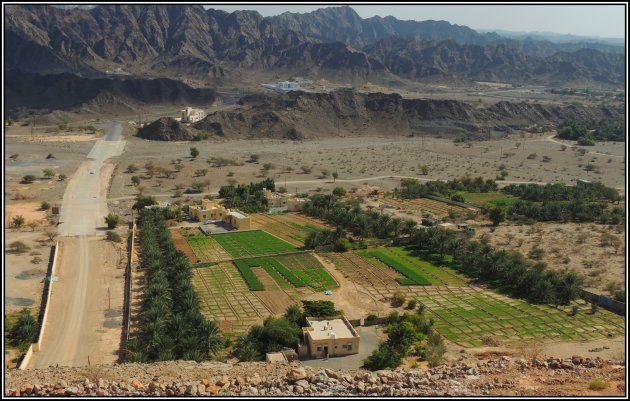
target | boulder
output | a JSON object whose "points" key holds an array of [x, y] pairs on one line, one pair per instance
{"points": [[296, 374]]}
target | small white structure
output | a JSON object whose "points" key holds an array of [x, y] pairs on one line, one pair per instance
{"points": [[190, 115], [285, 86]]}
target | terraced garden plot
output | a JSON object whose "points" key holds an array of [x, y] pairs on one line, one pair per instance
{"points": [[207, 249], [252, 243], [427, 264], [226, 298], [296, 270], [367, 272], [425, 205], [293, 234], [413, 276], [465, 315], [274, 298]]}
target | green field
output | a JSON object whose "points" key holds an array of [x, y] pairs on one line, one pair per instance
{"points": [[252, 243], [418, 266], [296, 270], [485, 198], [206, 249], [465, 315]]}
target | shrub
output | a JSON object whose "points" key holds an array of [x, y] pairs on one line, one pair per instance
{"points": [[254, 158], [50, 156], [574, 310], [19, 247], [341, 245], [18, 221], [398, 299], [598, 384], [112, 220], [45, 205], [339, 192], [113, 236], [434, 350], [371, 317], [27, 179], [412, 304]]}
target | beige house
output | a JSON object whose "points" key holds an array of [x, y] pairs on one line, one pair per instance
{"points": [[190, 115], [278, 202], [211, 210], [325, 337]]}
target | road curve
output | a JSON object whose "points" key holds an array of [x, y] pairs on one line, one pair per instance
{"points": [[75, 309]]}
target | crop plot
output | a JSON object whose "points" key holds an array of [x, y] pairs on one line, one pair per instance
{"points": [[296, 270], [465, 315], [206, 249], [226, 298], [291, 227], [431, 266], [308, 268], [425, 205], [252, 243], [373, 274]]}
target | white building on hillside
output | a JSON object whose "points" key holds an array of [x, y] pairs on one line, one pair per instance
{"points": [[190, 115]]}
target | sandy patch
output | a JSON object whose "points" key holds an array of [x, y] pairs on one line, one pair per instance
{"points": [[30, 211], [54, 138]]}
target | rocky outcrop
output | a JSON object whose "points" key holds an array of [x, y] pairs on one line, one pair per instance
{"points": [[347, 112], [167, 129], [495, 377]]}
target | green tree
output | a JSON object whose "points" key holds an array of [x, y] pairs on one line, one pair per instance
{"points": [[112, 220], [434, 349], [497, 215], [341, 245], [319, 308], [194, 152], [294, 314], [144, 200], [25, 329]]}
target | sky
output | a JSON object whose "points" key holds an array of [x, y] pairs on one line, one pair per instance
{"points": [[584, 20]]}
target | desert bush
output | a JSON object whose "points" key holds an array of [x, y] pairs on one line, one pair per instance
{"points": [[18, 247], [113, 236], [598, 384], [398, 299], [18, 221], [29, 178], [112, 220]]}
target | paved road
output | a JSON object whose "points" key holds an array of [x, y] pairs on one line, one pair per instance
{"points": [[86, 270]]}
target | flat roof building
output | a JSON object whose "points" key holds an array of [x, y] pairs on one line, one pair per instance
{"points": [[325, 337]]}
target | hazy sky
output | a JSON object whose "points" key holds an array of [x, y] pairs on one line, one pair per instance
{"points": [[585, 20]]}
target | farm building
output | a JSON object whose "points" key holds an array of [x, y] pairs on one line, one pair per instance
{"points": [[446, 227], [325, 337], [278, 202], [190, 115], [210, 210]]}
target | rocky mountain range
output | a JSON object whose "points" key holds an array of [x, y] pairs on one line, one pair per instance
{"points": [[300, 115], [174, 40], [42, 92]]}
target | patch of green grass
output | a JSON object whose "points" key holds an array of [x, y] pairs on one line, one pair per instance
{"points": [[493, 198], [413, 276], [465, 317], [252, 243], [250, 278]]}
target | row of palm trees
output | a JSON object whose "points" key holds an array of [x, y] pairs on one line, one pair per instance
{"points": [[171, 324], [507, 270], [363, 224], [510, 271]]}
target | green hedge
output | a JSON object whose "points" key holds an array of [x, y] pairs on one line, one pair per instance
{"points": [[250, 278]]}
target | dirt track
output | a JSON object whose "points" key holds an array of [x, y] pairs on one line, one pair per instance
{"points": [[80, 321]]}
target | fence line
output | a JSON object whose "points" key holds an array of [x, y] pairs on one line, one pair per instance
{"points": [[128, 282], [604, 301], [43, 312]]}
